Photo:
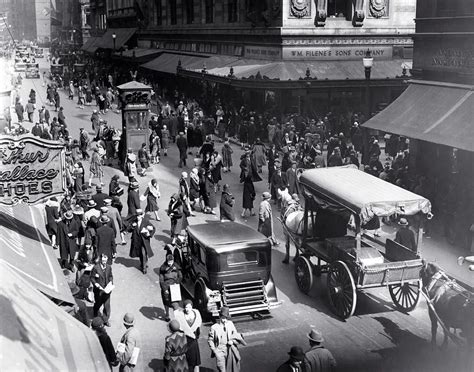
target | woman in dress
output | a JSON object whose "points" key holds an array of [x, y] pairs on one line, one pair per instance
{"points": [[211, 193], [52, 218], [216, 167], [175, 349], [95, 169], [194, 188], [248, 196], [152, 194], [78, 176], [155, 148], [227, 156], [190, 322], [165, 139]]}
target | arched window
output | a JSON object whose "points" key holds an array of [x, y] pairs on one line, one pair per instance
{"points": [[189, 11], [209, 10]]}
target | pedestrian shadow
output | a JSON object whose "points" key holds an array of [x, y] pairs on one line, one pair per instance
{"points": [[153, 312], [157, 365], [127, 262]]}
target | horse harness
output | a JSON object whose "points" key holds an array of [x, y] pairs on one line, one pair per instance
{"points": [[447, 283]]}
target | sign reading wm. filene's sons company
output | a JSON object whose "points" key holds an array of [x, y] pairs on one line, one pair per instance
{"points": [[31, 170]]}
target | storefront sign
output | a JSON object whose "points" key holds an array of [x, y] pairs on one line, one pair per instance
{"points": [[262, 52], [31, 170], [453, 58], [331, 53]]}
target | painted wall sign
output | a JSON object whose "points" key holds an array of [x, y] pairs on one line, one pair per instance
{"points": [[31, 170], [331, 53], [262, 52]]}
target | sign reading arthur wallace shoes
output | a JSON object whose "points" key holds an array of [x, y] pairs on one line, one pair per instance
{"points": [[31, 169]]}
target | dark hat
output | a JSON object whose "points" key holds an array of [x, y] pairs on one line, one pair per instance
{"points": [[97, 322], [134, 185], [175, 196], [315, 336], [128, 319], [296, 353], [173, 325], [104, 219], [266, 195], [403, 222], [187, 302], [224, 312], [98, 187], [54, 199], [68, 215], [169, 257]]}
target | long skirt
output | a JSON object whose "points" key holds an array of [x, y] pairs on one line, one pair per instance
{"points": [[193, 354]]}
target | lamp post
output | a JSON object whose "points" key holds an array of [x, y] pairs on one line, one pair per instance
{"points": [[114, 36], [368, 62]]}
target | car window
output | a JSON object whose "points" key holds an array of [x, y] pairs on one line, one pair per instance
{"points": [[242, 258]]}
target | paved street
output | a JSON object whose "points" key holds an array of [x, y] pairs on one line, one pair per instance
{"points": [[376, 338]]}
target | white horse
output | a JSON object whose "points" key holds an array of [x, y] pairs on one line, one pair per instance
{"points": [[293, 219]]}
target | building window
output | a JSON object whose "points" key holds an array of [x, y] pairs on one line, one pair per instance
{"points": [[157, 13], [173, 15], [232, 11], [340, 9], [189, 10], [209, 10]]}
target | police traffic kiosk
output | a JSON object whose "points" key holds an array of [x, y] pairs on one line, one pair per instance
{"points": [[227, 264]]}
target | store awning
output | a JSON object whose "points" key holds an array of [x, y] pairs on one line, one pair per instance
{"points": [[168, 62], [291, 70], [90, 45], [122, 35], [27, 250], [37, 334], [431, 111]]}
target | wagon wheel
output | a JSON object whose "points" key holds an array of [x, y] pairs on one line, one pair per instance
{"points": [[303, 274], [405, 296], [341, 290]]}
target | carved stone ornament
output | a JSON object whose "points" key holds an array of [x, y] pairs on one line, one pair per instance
{"points": [[321, 13], [378, 8], [300, 8]]}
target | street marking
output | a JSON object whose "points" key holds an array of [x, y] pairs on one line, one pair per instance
{"points": [[266, 331]]}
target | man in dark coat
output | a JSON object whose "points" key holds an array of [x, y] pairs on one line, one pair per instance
{"points": [[226, 205], [105, 341], [142, 231], [294, 364], [68, 229], [170, 273], [318, 359], [99, 197], [405, 236], [175, 212], [182, 144], [278, 180], [133, 199], [105, 239], [292, 179], [101, 276]]}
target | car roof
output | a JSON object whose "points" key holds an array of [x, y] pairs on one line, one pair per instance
{"points": [[227, 236]]}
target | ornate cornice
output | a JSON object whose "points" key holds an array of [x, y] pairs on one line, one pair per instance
{"points": [[348, 41]]}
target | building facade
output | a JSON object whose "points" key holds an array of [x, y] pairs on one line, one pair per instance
{"points": [[304, 51], [436, 112]]}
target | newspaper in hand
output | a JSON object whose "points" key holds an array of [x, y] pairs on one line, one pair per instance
{"points": [[134, 358], [109, 288], [121, 348]]}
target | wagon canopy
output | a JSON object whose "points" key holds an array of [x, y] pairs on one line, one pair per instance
{"points": [[347, 188]]}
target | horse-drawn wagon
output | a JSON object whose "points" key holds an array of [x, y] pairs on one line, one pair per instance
{"points": [[352, 259]]}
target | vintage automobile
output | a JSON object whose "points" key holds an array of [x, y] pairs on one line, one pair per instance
{"points": [[57, 69], [227, 263], [19, 66], [32, 71]]}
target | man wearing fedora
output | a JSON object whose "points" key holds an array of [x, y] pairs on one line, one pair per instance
{"points": [[294, 363], [142, 231], [101, 276], [265, 218], [222, 336], [99, 197], [68, 230], [128, 343], [133, 198], [317, 358], [105, 239], [405, 236], [91, 211]]}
